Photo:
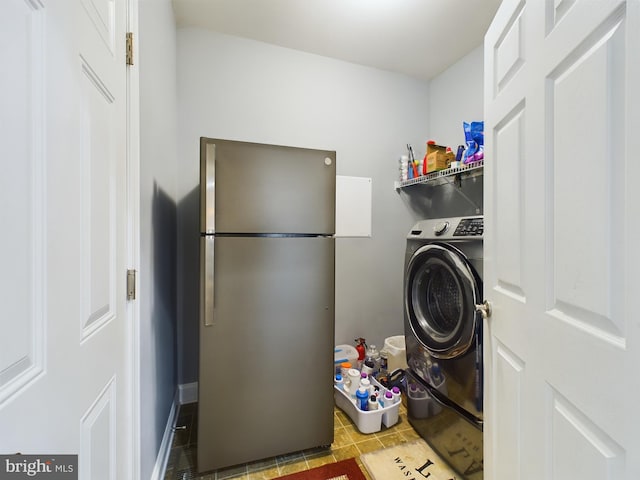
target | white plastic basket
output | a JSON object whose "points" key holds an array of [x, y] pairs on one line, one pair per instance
{"points": [[369, 421]]}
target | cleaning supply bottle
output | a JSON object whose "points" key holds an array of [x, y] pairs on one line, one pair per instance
{"points": [[416, 168], [362, 399], [373, 403], [384, 364], [374, 390], [395, 391], [353, 382], [338, 381], [368, 366], [387, 398], [372, 360], [366, 383], [435, 373]]}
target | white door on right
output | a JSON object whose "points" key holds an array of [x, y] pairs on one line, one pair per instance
{"points": [[562, 238]]}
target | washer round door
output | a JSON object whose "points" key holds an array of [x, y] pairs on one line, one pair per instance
{"points": [[441, 292]]}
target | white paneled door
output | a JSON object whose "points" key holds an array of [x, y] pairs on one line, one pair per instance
{"points": [[562, 229], [64, 346]]}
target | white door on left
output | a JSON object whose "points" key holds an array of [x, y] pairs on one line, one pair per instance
{"points": [[64, 367]]}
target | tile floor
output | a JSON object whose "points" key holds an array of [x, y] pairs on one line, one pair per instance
{"points": [[348, 443]]}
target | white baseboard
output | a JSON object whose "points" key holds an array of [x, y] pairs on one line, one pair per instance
{"points": [[160, 467], [188, 392]]}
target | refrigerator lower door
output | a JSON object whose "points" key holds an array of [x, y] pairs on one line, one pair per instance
{"points": [[266, 349]]}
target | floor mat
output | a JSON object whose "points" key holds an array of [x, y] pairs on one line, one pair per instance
{"points": [[407, 461], [344, 470]]}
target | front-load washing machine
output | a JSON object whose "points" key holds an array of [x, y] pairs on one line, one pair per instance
{"points": [[443, 333]]}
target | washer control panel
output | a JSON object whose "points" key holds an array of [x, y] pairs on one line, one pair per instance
{"points": [[452, 228], [469, 227]]}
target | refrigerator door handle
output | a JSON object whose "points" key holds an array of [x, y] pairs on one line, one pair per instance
{"points": [[207, 253], [208, 186]]}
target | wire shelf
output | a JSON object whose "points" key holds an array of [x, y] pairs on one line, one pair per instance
{"points": [[468, 168]]}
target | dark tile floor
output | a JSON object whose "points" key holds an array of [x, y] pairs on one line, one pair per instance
{"points": [[348, 443]]}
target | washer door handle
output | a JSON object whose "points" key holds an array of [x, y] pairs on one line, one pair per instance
{"points": [[484, 309]]}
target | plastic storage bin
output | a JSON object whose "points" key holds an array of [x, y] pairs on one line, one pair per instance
{"points": [[420, 404], [367, 421], [345, 353], [396, 353]]}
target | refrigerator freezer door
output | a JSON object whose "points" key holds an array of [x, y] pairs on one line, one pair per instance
{"points": [[207, 187], [256, 188], [266, 362]]}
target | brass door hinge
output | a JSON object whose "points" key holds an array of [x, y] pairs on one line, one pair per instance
{"points": [[129, 48], [131, 284]]}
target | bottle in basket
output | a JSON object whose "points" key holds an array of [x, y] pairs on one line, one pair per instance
{"points": [[362, 398], [372, 360]]}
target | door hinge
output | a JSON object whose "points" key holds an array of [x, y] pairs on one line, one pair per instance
{"points": [[131, 284], [129, 48]]}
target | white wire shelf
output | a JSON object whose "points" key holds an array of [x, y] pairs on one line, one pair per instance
{"points": [[441, 174]]}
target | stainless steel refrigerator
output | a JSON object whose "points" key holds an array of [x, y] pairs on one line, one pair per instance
{"points": [[267, 301]]}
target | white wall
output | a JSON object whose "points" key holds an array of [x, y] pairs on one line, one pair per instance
{"points": [[456, 96], [157, 64], [240, 89]]}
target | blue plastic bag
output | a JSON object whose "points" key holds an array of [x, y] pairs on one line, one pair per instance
{"points": [[474, 138]]}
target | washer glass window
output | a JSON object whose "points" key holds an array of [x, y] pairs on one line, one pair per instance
{"points": [[441, 293]]}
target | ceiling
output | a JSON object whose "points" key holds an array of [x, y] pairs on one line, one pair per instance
{"points": [[419, 38]]}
